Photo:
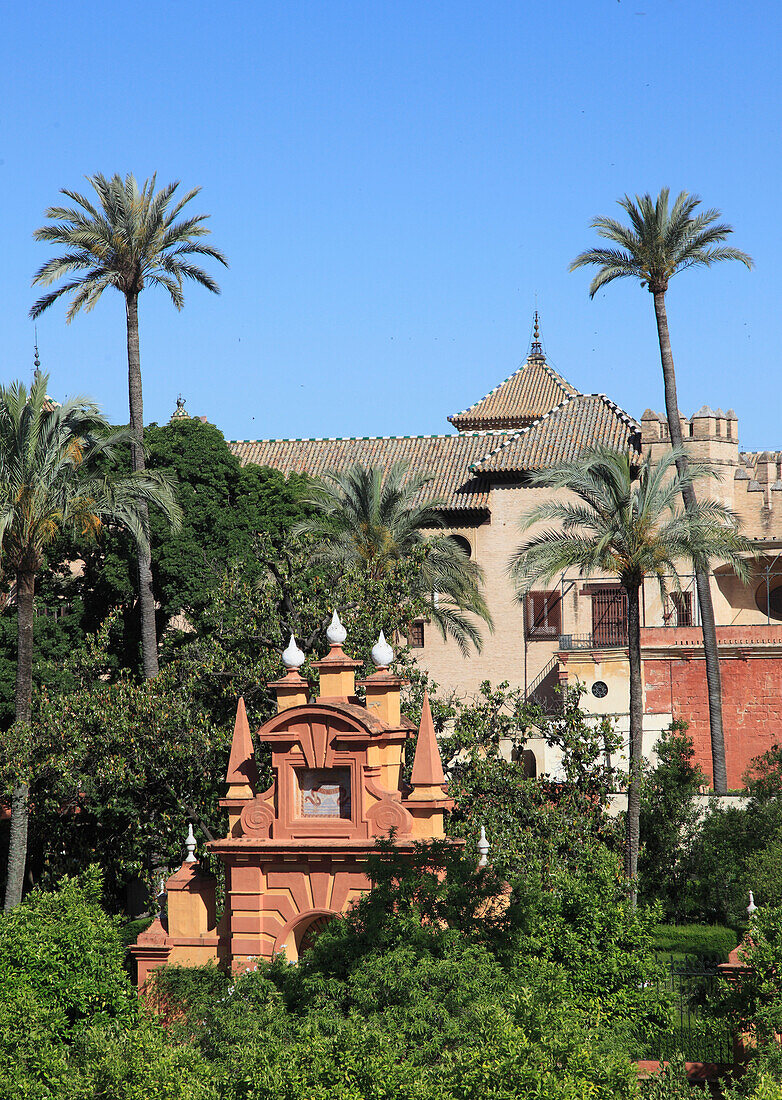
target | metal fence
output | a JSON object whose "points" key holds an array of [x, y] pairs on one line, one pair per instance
{"points": [[692, 984]]}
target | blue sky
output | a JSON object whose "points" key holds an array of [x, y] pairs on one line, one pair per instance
{"points": [[395, 185]]}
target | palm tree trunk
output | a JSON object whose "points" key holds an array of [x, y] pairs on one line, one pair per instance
{"points": [[710, 652], [17, 849], [633, 819], [146, 596]]}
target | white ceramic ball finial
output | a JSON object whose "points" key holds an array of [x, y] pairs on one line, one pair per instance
{"points": [[336, 633], [292, 656], [190, 844], [483, 848], [382, 653]]}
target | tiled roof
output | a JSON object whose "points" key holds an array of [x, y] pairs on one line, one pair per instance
{"points": [[461, 464], [532, 391], [586, 420], [447, 457]]}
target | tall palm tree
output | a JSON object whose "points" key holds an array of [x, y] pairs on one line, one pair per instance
{"points": [[52, 478], [372, 517], [129, 240], [658, 244], [624, 522]]}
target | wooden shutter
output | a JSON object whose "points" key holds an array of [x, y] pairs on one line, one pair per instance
{"points": [[609, 617], [543, 614]]}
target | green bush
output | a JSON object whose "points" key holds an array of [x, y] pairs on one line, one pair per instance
{"points": [[669, 820], [71, 1026], [420, 992]]}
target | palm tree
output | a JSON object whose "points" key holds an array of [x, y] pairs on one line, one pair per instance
{"points": [[129, 240], [657, 245], [372, 517], [625, 523], [53, 477]]}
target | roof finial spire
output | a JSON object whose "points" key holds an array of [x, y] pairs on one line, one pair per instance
{"points": [[536, 348], [36, 359]]}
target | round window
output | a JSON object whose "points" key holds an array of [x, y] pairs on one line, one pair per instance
{"points": [[600, 689]]}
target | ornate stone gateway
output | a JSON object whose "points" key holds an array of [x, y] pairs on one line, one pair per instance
{"points": [[295, 854]]}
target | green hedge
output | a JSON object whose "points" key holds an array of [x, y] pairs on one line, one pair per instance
{"points": [[694, 939]]}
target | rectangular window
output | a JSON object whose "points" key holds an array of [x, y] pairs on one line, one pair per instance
{"points": [[543, 614], [416, 638], [609, 617], [681, 603]]}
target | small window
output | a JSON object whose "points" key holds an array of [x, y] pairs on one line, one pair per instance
{"points": [[416, 638], [543, 614], [682, 608]]}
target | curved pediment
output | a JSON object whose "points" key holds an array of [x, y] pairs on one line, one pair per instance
{"points": [[317, 726]]}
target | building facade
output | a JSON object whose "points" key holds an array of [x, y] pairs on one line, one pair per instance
{"points": [[575, 630], [295, 854]]}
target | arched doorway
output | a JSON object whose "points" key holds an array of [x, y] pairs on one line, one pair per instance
{"points": [[309, 930], [529, 764]]}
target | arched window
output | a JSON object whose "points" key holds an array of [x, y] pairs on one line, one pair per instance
{"points": [[462, 543], [529, 764], [773, 608]]}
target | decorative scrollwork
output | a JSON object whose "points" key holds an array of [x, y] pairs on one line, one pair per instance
{"points": [[257, 817], [387, 815]]}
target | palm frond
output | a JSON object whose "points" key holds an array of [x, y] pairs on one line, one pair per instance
{"points": [[128, 236], [625, 522], [660, 241]]}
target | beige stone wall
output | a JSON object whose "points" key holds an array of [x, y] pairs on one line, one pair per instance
{"points": [[507, 655]]}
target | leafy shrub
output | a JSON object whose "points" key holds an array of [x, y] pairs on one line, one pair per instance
{"points": [[669, 820], [71, 1026]]}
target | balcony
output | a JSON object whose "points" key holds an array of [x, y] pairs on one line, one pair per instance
{"points": [[610, 636]]}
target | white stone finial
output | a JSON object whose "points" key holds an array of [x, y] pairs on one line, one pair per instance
{"points": [[293, 657], [336, 633], [190, 844], [483, 848], [751, 908], [382, 653]]}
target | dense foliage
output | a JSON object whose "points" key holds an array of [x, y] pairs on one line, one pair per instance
{"points": [[669, 820], [429, 988], [739, 848], [224, 507], [528, 819], [71, 1026]]}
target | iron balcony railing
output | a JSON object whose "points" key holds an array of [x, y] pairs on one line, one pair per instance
{"points": [[615, 638]]}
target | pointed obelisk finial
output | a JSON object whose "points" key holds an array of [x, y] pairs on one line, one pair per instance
{"points": [[242, 774], [427, 765], [751, 908]]}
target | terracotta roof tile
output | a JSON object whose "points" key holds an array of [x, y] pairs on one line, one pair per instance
{"points": [[579, 422], [462, 465], [529, 393], [447, 457]]}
